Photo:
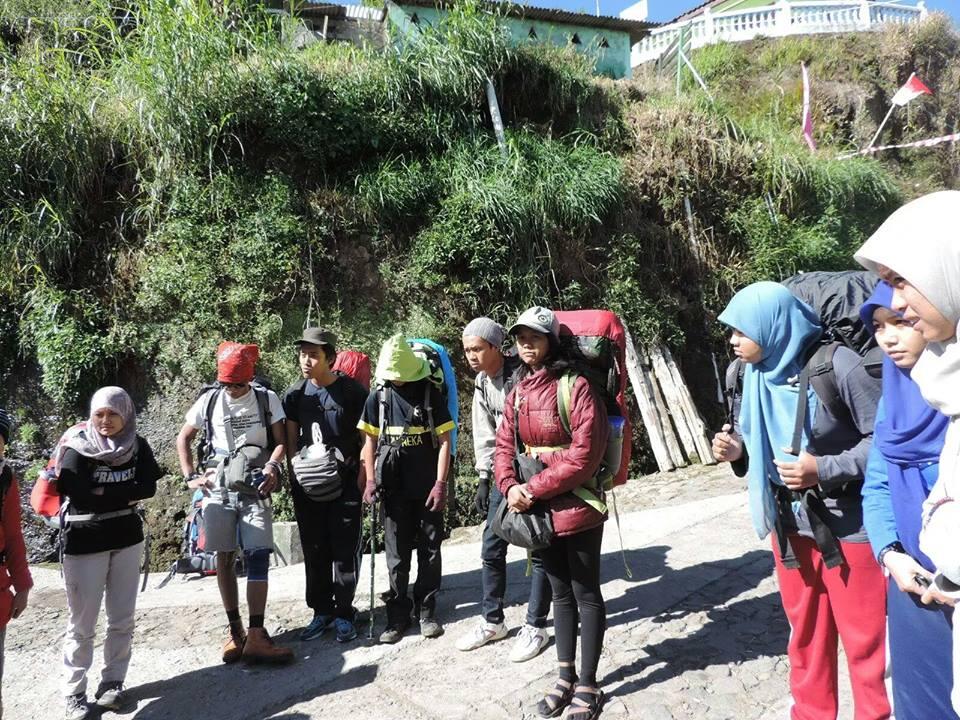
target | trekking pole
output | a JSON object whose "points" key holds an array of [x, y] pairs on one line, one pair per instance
{"points": [[373, 559]]}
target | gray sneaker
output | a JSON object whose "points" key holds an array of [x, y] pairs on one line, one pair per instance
{"points": [[393, 634], [110, 695], [77, 708], [430, 628]]}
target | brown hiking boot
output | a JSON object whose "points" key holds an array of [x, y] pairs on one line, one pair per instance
{"points": [[233, 648], [260, 648]]}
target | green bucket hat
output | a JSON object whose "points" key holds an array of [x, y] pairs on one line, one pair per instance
{"points": [[398, 362]]}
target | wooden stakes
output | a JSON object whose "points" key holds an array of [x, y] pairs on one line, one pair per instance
{"points": [[667, 409]]}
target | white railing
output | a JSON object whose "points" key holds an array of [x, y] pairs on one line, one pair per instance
{"points": [[778, 20]]}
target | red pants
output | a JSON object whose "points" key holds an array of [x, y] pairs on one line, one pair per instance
{"points": [[821, 604]]}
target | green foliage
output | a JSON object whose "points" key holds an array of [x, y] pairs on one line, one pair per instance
{"points": [[220, 267], [67, 334]]}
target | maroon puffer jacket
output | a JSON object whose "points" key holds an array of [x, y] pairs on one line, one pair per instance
{"points": [[566, 469]]}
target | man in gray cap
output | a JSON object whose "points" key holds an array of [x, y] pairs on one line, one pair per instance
{"points": [[482, 343]]}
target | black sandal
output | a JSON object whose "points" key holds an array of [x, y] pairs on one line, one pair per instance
{"points": [[553, 703], [586, 703]]}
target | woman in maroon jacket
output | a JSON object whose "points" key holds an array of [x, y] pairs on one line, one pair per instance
{"points": [[572, 562]]}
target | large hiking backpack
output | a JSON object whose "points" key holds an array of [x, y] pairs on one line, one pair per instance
{"points": [[354, 364], [441, 375], [195, 558], [260, 386], [45, 497], [598, 339]]}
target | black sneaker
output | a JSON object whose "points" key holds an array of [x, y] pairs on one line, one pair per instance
{"points": [[110, 695], [77, 708]]}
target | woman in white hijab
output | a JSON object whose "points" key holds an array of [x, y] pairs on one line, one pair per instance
{"points": [[917, 250]]}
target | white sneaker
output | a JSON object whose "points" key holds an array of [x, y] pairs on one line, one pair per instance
{"points": [[530, 641], [482, 633]]}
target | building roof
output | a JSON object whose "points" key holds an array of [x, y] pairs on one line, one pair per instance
{"points": [[636, 29], [359, 12]]}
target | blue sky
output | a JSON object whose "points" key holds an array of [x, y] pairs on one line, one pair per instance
{"points": [[667, 9]]}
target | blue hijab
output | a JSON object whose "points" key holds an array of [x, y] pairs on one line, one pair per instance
{"points": [[784, 327], [911, 431]]}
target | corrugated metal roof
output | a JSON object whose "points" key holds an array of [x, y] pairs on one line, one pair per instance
{"points": [[636, 29], [358, 12]]}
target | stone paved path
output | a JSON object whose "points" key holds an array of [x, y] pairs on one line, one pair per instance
{"points": [[696, 633]]}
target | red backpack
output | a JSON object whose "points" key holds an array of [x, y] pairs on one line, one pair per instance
{"points": [[45, 496], [598, 337], [355, 364]]}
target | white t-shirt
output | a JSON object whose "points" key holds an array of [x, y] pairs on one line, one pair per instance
{"points": [[243, 416]]}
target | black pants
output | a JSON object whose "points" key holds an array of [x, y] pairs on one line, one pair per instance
{"points": [[330, 536], [409, 526], [572, 564]]}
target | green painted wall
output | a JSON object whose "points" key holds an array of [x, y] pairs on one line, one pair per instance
{"points": [[612, 61]]}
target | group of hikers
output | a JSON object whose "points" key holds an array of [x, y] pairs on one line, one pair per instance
{"points": [[851, 472]]}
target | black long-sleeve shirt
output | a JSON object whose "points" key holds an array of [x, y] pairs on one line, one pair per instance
{"points": [[123, 485]]}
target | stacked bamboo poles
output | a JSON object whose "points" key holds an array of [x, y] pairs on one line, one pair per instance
{"points": [[677, 433]]}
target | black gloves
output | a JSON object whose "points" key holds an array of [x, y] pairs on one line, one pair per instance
{"points": [[482, 500]]}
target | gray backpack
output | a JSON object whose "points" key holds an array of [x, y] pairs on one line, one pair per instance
{"points": [[317, 469]]}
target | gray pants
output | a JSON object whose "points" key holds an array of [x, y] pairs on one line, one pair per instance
{"points": [[116, 574]]}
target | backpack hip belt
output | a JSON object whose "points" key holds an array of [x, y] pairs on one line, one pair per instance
{"points": [[87, 518]]}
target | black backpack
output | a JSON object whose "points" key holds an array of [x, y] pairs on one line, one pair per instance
{"points": [[260, 386], [836, 297]]}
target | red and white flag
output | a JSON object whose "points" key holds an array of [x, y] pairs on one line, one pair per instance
{"points": [[911, 89], [807, 118]]}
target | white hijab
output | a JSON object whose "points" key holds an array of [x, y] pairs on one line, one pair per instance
{"points": [[921, 242]]}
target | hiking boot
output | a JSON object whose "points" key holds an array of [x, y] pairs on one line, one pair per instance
{"points": [[233, 647], [77, 708], [260, 648], [430, 628], [530, 641], [317, 627], [392, 634], [345, 630], [481, 634], [110, 695]]}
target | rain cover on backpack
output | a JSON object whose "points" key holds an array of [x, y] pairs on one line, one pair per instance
{"points": [[45, 496]]}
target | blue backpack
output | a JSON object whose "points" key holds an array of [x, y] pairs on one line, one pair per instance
{"points": [[441, 375]]}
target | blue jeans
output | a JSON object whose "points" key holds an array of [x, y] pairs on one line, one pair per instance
{"points": [[493, 553]]}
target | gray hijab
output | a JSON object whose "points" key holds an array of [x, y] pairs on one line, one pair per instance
{"points": [[115, 450]]}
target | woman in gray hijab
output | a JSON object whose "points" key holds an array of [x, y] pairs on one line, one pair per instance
{"points": [[103, 472]]}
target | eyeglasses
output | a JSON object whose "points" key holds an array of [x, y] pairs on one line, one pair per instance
{"points": [[235, 386]]}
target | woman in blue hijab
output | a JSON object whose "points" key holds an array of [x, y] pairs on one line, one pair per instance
{"points": [[830, 584], [902, 469]]}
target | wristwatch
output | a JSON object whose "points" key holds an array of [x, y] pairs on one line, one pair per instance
{"points": [[895, 546]]}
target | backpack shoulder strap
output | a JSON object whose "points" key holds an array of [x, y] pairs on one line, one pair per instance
{"points": [[564, 393], [6, 480], [428, 406], [823, 379], [733, 388], [208, 415]]}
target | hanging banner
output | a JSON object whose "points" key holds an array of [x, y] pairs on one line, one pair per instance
{"points": [[807, 119], [955, 137]]}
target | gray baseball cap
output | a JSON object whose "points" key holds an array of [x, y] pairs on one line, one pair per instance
{"points": [[540, 319]]}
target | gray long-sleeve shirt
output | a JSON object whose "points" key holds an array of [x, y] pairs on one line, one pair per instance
{"points": [[488, 398], [841, 446]]}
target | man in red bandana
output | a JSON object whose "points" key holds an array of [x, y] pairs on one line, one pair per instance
{"points": [[244, 427]]}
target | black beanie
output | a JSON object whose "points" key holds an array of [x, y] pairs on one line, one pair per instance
{"points": [[6, 423]]}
